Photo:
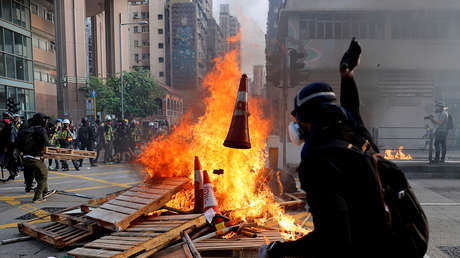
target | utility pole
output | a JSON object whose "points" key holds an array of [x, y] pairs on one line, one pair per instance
{"points": [[121, 77], [285, 86]]}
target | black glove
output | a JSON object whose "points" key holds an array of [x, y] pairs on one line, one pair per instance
{"points": [[351, 58]]}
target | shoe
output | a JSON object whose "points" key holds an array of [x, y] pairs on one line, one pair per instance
{"points": [[65, 169], [40, 200], [93, 165], [52, 169], [28, 189], [49, 193], [77, 169]]}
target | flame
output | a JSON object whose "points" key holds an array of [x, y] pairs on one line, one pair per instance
{"points": [[397, 154], [238, 189]]}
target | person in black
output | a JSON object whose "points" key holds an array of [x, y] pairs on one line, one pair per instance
{"points": [[8, 135], [32, 143], [99, 139], [86, 137], [343, 198]]}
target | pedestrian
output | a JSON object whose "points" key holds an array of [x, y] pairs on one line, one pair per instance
{"points": [[342, 194], [7, 145], [108, 139], [100, 141], [427, 136], [86, 137], [66, 138], [32, 142], [441, 121], [54, 141]]}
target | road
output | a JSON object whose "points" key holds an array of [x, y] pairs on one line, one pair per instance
{"points": [[440, 199]]}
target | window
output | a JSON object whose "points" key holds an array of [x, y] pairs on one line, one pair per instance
{"points": [[35, 42], [160, 31], [160, 16], [136, 43], [136, 29], [145, 43], [2, 64], [135, 15], [136, 57], [162, 74], [8, 41], [20, 69], [52, 47], [37, 75], [18, 49], [161, 60], [145, 15], [145, 56], [10, 69], [145, 28], [160, 45], [34, 9]]}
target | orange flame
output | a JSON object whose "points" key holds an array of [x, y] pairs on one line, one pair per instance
{"points": [[238, 189], [397, 154]]}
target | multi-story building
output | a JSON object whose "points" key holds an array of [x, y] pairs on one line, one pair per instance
{"points": [[409, 59], [215, 41], [230, 27], [158, 40], [16, 64], [139, 42], [44, 55], [258, 85]]}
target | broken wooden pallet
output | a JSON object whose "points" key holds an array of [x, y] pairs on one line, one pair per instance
{"points": [[117, 214], [67, 154], [143, 239]]}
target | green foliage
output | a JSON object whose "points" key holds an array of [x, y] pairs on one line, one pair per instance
{"points": [[139, 94]]}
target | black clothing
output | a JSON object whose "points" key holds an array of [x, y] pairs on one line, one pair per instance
{"points": [[39, 138], [86, 137], [440, 144]]}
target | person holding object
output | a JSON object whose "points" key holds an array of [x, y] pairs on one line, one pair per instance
{"points": [[441, 121], [65, 141], [345, 201]]}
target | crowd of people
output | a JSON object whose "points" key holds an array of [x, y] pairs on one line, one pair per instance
{"points": [[22, 143]]}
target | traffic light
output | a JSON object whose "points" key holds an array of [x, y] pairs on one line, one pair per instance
{"points": [[296, 67], [13, 107]]}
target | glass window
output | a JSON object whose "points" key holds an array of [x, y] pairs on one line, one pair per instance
{"points": [[11, 92], [35, 42], [160, 45], [2, 97], [10, 68], [144, 29], [160, 16], [6, 9], [27, 47], [160, 31], [144, 56], [8, 40], [34, 9], [135, 15], [36, 75], [136, 29], [2, 64], [162, 74], [21, 98], [20, 68], [136, 57], [43, 45], [30, 100], [18, 49], [52, 47], [136, 43], [1, 39], [28, 71], [161, 59]]}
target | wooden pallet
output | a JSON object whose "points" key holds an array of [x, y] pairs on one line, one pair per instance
{"points": [[142, 239], [117, 214], [67, 154]]}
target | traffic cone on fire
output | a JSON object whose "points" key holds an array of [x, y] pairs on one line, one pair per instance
{"points": [[211, 209], [198, 178], [238, 134]]}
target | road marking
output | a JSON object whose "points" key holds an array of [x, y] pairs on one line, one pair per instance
{"points": [[15, 224], [91, 179], [440, 204]]}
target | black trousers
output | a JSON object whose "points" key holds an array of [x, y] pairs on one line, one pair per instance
{"points": [[440, 144], [87, 146]]}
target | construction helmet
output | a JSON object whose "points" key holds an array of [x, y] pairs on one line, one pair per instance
{"points": [[108, 118], [307, 100], [66, 121]]}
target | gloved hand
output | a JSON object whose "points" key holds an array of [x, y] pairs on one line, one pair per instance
{"points": [[351, 58], [264, 250]]}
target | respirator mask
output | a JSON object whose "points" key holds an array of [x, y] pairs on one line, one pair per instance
{"points": [[296, 134]]}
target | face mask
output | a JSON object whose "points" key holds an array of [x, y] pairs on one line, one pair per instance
{"points": [[296, 134]]}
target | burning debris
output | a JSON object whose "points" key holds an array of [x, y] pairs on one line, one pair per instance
{"points": [[397, 154]]}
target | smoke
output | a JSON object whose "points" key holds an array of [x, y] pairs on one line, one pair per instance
{"points": [[252, 16]]}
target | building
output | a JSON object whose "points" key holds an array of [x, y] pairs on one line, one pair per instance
{"points": [[230, 27], [16, 63], [398, 85], [139, 42], [258, 85], [215, 42], [158, 40]]}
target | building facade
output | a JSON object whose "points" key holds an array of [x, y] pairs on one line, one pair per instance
{"points": [[139, 42], [16, 62], [398, 85], [258, 85]]}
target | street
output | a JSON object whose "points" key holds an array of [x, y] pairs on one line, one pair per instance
{"points": [[439, 197]]}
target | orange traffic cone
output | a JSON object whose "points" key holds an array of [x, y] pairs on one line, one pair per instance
{"points": [[211, 209], [198, 176], [238, 134]]}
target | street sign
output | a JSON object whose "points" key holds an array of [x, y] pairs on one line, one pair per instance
{"points": [[93, 94]]}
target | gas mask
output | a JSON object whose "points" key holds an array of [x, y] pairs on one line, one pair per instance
{"points": [[296, 134]]}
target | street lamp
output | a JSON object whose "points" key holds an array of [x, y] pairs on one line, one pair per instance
{"points": [[121, 65]]}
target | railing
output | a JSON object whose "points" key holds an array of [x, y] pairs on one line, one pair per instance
{"points": [[411, 138]]}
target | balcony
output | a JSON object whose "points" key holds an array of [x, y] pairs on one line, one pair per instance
{"points": [[44, 57], [43, 25]]}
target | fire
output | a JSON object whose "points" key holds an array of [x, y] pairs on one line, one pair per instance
{"points": [[237, 189], [397, 154]]}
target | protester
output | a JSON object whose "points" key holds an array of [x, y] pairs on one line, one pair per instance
{"points": [[7, 146], [32, 142], [108, 138], [54, 141], [343, 195], [86, 137], [442, 130], [99, 139], [65, 139]]}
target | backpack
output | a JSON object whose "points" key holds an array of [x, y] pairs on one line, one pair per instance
{"points": [[26, 140], [450, 122], [406, 221]]}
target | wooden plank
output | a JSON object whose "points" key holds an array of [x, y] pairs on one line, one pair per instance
{"points": [[153, 229], [97, 253], [138, 239], [135, 234], [148, 190], [174, 217], [147, 196], [119, 209], [130, 205], [107, 216], [115, 242], [108, 246], [133, 199]]}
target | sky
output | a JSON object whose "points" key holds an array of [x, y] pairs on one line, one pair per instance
{"points": [[252, 15]]}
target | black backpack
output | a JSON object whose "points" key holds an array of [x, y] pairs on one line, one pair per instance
{"points": [[26, 141], [407, 223]]}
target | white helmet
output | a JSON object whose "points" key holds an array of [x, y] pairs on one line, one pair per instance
{"points": [[108, 118], [151, 124], [66, 121]]}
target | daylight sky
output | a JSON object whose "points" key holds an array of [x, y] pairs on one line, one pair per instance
{"points": [[252, 15]]}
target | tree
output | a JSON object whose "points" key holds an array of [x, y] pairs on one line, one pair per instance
{"points": [[139, 94]]}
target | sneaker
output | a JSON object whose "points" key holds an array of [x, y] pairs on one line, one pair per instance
{"points": [[77, 169], [49, 193], [40, 200], [65, 169], [94, 165]]}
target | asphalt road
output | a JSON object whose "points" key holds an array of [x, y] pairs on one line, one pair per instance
{"points": [[440, 199]]}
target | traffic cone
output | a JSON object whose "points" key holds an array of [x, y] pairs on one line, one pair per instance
{"points": [[198, 176], [211, 209], [238, 134]]}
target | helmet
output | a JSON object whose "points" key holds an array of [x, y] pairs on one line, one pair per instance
{"points": [[59, 120], [108, 118], [151, 124], [66, 121], [16, 115], [310, 97], [84, 120]]}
